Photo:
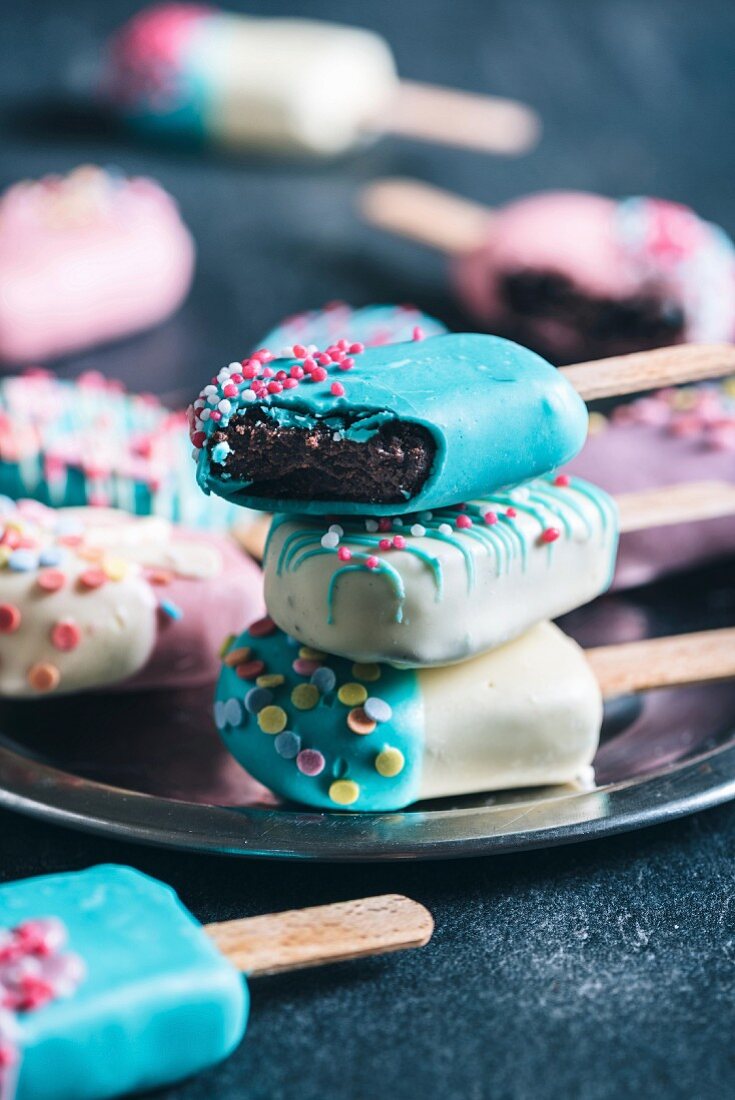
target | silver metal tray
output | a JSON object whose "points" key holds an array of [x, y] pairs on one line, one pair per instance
{"points": [[149, 767]]}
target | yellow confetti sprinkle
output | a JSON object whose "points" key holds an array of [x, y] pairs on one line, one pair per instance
{"points": [[226, 645], [597, 423], [344, 792], [305, 696], [352, 695], [270, 680], [115, 568], [369, 671], [5, 553], [310, 654], [272, 719], [728, 387], [390, 762]]}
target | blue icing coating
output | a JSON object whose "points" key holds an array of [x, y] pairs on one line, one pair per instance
{"points": [[158, 1001], [373, 326], [498, 415], [313, 734]]}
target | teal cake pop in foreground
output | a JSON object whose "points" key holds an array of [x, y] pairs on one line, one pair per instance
{"points": [[383, 431]]}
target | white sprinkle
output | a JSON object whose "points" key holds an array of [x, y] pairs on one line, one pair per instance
{"points": [[371, 525], [199, 403], [417, 530], [445, 529], [397, 521], [337, 530], [337, 437], [330, 541], [312, 349], [209, 389], [213, 398], [247, 395], [235, 368], [195, 452], [224, 406], [286, 353], [206, 413]]}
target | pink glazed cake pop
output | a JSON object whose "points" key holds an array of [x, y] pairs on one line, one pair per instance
{"points": [[86, 258]]}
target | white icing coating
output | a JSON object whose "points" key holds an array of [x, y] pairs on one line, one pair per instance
{"points": [[293, 84], [525, 715], [465, 590]]}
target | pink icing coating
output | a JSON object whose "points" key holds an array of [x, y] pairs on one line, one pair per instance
{"points": [[664, 439], [607, 250], [87, 258]]}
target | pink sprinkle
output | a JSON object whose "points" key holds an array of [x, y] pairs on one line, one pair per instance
{"points": [[309, 364], [463, 521], [562, 480], [511, 513], [290, 383], [250, 370], [344, 554], [373, 562], [418, 333], [299, 351], [229, 390], [551, 534], [384, 524], [274, 387], [297, 372], [322, 359], [216, 416], [268, 372], [305, 666], [310, 762], [346, 364], [343, 344], [236, 378], [356, 349], [337, 389], [384, 544], [490, 518], [399, 543], [263, 355], [318, 374], [336, 354], [280, 375]]}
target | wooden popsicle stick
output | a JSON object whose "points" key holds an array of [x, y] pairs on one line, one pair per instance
{"points": [[323, 934], [489, 124], [425, 213], [664, 662], [650, 370], [687, 502]]}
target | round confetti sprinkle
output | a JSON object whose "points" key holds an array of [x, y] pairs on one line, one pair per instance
{"points": [[272, 719], [352, 695], [257, 698], [237, 656], [10, 618], [92, 578], [324, 679], [65, 635], [50, 556], [378, 709], [302, 666], [368, 671], [219, 715], [262, 627], [359, 722], [44, 676], [311, 654], [250, 670], [288, 745], [344, 792], [390, 762], [305, 696], [51, 580], [270, 680], [310, 762], [23, 561], [115, 568], [232, 712]]}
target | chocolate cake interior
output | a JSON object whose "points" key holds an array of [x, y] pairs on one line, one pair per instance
{"points": [[646, 319], [319, 463]]}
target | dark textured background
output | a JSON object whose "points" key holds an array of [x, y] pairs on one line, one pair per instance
{"points": [[599, 971]]}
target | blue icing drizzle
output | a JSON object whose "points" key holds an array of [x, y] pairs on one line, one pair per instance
{"points": [[370, 325], [158, 1001], [350, 757], [497, 413]]}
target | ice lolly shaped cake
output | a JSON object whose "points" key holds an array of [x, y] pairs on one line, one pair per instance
{"points": [[86, 258], [92, 597], [89, 442], [287, 85], [436, 587], [335, 733], [383, 431], [156, 1001]]}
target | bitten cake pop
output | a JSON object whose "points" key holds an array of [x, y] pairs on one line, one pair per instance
{"points": [[571, 274], [111, 986], [91, 597], [86, 258], [387, 430], [288, 86]]}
